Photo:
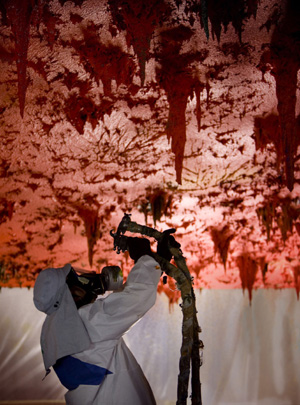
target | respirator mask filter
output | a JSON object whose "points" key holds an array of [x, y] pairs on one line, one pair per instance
{"points": [[113, 277], [85, 287]]}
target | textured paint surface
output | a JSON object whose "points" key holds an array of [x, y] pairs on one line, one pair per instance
{"points": [[185, 114]]}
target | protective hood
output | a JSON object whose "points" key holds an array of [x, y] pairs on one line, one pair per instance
{"points": [[49, 289], [63, 332]]}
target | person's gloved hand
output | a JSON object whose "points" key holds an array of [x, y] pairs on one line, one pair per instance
{"points": [[138, 247], [163, 244]]}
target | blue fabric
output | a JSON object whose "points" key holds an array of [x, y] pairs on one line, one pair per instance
{"points": [[73, 372]]}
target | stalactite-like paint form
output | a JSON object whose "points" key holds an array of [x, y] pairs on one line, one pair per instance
{"points": [[285, 53], [91, 224], [222, 238], [296, 270], [285, 219], [248, 268], [198, 89], [179, 81], [139, 19], [104, 62], [19, 14], [281, 211], [51, 22], [221, 14], [267, 131], [158, 204], [263, 264], [266, 214]]}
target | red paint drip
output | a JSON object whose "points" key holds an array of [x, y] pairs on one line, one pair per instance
{"points": [[91, 224], [248, 268], [222, 238], [285, 50], [178, 79], [19, 14], [139, 19], [297, 280]]}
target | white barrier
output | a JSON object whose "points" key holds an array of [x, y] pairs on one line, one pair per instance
{"points": [[251, 355]]}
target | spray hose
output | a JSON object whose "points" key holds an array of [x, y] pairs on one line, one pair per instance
{"points": [[190, 359]]}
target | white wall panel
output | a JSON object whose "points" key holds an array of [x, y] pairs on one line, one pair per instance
{"points": [[251, 355]]}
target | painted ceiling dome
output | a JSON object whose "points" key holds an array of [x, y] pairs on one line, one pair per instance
{"points": [[183, 113]]}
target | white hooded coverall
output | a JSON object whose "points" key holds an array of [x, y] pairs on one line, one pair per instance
{"points": [[97, 367]]}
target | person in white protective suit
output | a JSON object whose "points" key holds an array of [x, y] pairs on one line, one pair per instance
{"points": [[82, 337]]}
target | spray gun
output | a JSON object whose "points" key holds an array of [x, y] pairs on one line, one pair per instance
{"points": [[120, 240]]}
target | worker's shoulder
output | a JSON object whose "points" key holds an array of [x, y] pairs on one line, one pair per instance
{"points": [[147, 260]]}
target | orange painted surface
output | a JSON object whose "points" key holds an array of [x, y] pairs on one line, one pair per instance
{"points": [[186, 117]]}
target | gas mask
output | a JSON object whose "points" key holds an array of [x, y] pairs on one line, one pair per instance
{"points": [[85, 287]]}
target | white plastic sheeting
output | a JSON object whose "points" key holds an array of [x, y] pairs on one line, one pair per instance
{"points": [[251, 356]]}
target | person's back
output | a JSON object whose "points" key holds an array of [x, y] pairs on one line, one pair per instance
{"points": [[83, 341], [106, 321]]}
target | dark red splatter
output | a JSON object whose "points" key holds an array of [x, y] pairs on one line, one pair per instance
{"points": [[267, 131], [6, 210], [52, 22], [80, 110], [139, 19], [248, 269], [221, 14], [105, 63], [222, 238]]}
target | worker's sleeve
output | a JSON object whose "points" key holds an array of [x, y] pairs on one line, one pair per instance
{"points": [[110, 318]]}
